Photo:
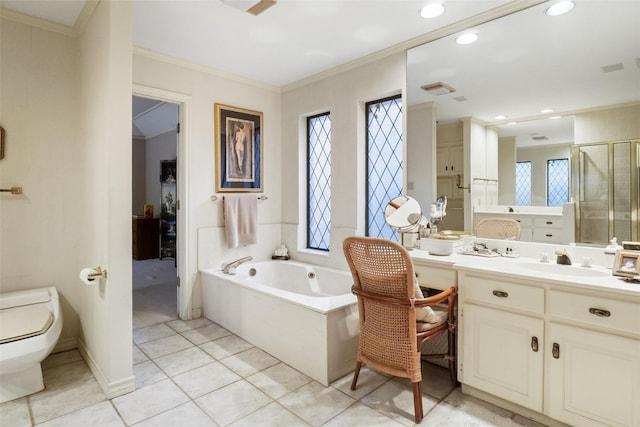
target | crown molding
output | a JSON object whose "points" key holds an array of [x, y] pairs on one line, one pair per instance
{"points": [[44, 24]]}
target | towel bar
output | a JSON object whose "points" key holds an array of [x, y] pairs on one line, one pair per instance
{"points": [[215, 198], [12, 190]]}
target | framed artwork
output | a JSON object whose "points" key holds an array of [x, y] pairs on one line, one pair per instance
{"points": [[238, 149], [626, 264], [1, 143]]}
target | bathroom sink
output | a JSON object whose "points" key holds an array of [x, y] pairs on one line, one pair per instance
{"points": [[564, 270]]}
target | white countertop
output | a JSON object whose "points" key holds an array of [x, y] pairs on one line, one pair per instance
{"points": [[532, 270]]}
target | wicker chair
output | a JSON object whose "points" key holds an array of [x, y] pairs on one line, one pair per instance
{"points": [[498, 228], [389, 302]]}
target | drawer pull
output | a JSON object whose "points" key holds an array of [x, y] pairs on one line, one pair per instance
{"points": [[534, 344], [500, 294], [555, 352], [549, 222], [549, 235], [599, 312]]}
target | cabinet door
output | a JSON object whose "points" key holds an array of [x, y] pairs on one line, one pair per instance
{"points": [[442, 160], [503, 354], [593, 377], [456, 160]]}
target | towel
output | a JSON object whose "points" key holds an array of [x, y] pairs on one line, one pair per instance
{"points": [[240, 219]]}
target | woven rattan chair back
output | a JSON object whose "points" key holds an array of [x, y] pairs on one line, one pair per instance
{"points": [[498, 228], [384, 283]]}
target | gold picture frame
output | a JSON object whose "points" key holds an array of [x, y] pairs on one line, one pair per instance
{"points": [[1, 143], [626, 263], [238, 149]]}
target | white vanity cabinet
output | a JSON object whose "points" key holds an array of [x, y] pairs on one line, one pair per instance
{"points": [[501, 344], [535, 227], [593, 360], [567, 352]]}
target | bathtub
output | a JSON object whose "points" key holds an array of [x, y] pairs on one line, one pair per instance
{"points": [[302, 314]]}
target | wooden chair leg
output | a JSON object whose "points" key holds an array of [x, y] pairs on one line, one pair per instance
{"points": [[355, 375], [417, 402], [452, 358]]}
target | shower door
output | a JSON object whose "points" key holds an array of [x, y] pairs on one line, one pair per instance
{"points": [[605, 187]]}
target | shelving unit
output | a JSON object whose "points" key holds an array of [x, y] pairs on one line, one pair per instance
{"points": [[168, 197]]}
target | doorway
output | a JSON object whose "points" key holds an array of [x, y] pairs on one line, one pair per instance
{"points": [[154, 200]]}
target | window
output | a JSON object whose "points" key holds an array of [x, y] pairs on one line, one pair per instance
{"points": [[523, 183], [557, 182], [319, 181], [384, 162]]}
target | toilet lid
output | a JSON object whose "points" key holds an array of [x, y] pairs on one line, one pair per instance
{"points": [[24, 322]]}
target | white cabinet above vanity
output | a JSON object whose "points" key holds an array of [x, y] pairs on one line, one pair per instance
{"points": [[560, 345]]}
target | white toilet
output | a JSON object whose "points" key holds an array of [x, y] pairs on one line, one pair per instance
{"points": [[30, 325]]}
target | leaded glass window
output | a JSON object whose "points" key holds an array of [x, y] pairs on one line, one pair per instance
{"points": [[384, 162], [523, 183], [557, 182], [319, 181]]}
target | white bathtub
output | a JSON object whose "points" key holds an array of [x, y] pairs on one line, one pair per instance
{"points": [[302, 314]]}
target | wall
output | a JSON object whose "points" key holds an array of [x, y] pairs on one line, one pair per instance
{"points": [[611, 124], [139, 175], [160, 147], [344, 96], [66, 106], [507, 170], [201, 88]]}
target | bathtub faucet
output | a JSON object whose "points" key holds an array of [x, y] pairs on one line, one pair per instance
{"points": [[230, 268]]}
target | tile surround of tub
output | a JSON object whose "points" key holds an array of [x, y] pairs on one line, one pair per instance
{"points": [[236, 384]]}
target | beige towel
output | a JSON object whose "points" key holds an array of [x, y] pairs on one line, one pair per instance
{"points": [[240, 219]]}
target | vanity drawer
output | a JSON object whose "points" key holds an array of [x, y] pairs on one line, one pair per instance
{"points": [[436, 278], [548, 222], [524, 221], [512, 296], [604, 312], [548, 235]]}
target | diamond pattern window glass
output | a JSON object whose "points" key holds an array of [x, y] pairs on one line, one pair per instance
{"points": [[319, 181], [523, 183], [557, 182], [384, 162]]}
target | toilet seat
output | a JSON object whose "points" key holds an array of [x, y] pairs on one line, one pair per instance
{"points": [[24, 322]]}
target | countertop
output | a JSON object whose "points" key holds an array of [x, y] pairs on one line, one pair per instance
{"points": [[595, 278]]}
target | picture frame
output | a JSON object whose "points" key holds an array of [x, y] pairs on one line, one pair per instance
{"points": [[1, 143], [627, 263], [238, 149]]}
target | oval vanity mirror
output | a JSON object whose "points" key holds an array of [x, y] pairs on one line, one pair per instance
{"points": [[403, 213]]}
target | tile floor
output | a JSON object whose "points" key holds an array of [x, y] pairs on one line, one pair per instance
{"points": [[196, 373]]}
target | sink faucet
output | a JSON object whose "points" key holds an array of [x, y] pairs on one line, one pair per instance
{"points": [[230, 268], [563, 258]]}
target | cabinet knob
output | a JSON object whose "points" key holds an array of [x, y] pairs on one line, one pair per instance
{"points": [[534, 344], [599, 312], [555, 351], [501, 294]]}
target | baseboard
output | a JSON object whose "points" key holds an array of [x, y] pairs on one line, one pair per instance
{"points": [[113, 389]]}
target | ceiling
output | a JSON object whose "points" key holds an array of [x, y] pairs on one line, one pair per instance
{"points": [[297, 39]]}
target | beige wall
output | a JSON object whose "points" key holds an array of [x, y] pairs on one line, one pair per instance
{"points": [[611, 124], [66, 108]]}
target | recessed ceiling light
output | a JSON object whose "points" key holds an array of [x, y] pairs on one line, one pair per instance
{"points": [[432, 10], [501, 117], [560, 8], [438, 88], [512, 123], [555, 117], [547, 110], [466, 38]]}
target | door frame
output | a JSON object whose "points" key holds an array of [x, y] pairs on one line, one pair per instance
{"points": [[185, 304]]}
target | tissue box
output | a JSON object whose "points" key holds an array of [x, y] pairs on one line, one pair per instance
{"points": [[437, 246]]}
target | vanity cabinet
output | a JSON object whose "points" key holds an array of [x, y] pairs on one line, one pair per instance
{"points": [[593, 360], [502, 345], [542, 228], [565, 352], [450, 160]]}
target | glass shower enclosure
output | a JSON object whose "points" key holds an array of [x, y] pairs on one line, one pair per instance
{"points": [[605, 189]]}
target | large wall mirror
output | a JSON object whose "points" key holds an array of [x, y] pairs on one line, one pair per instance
{"points": [[530, 77]]}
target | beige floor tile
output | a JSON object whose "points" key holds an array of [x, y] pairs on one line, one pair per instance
{"points": [[361, 415], [469, 414], [151, 333], [65, 374], [101, 414], [163, 346], [249, 362], [232, 402], [183, 361], [138, 355], [64, 399], [149, 401], [226, 346], [278, 380], [205, 379], [188, 415], [17, 411], [185, 325], [272, 415], [395, 400], [368, 380], [147, 373], [315, 403], [62, 358], [205, 334]]}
